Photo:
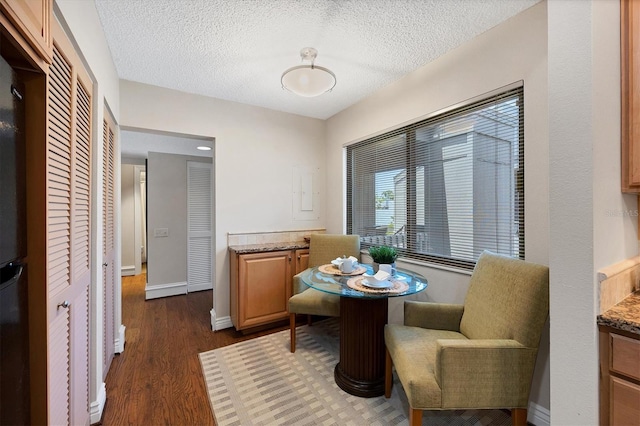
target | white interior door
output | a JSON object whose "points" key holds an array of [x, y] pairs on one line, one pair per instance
{"points": [[143, 214], [199, 223], [68, 177], [108, 242]]}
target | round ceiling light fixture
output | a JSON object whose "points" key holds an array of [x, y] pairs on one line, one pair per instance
{"points": [[308, 80], [204, 148]]}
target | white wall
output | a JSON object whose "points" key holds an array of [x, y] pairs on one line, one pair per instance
{"points": [[167, 208], [81, 18], [256, 152], [515, 50], [584, 139]]}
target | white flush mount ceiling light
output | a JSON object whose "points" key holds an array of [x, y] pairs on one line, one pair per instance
{"points": [[204, 148], [308, 80]]}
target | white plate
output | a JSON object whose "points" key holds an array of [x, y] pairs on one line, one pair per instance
{"points": [[373, 284]]}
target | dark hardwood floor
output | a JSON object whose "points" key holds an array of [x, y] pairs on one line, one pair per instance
{"points": [[157, 380]]}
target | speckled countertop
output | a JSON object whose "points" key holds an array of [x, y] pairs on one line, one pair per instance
{"points": [[623, 316], [256, 248]]}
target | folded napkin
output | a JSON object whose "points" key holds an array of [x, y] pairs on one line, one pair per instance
{"points": [[379, 276], [342, 259]]}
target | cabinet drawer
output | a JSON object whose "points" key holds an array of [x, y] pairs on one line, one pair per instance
{"points": [[625, 356], [625, 402]]}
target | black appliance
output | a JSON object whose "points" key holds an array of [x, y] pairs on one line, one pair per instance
{"points": [[14, 321]]}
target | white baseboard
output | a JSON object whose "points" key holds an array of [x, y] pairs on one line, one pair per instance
{"points": [[199, 287], [120, 340], [97, 406], [164, 290], [224, 322], [538, 415], [219, 323], [128, 270]]}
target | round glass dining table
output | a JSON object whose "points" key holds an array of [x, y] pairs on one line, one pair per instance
{"points": [[363, 315]]}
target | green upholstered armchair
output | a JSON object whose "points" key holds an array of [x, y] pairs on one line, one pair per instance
{"points": [[323, 248], [478, 355]]}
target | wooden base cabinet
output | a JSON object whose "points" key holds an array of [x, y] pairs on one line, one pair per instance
{"points": [[261, 286], [619, 378]]}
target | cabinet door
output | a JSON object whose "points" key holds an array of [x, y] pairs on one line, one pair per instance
{"points": [[625, 402], [264, 287], [302, 260], [32, 18]]}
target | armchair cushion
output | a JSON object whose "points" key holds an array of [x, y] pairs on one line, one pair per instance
{"points": [[315, 302], [484, 373], [413, 350]]}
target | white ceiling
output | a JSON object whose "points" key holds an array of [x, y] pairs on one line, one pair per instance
{"points": [[237, 49]]}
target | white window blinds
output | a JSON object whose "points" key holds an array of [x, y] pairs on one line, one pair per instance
{"points": [[445, 188]]}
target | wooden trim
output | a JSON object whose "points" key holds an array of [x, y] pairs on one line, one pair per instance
{"points": [[35, 29], [36, 160], [15, 37]]}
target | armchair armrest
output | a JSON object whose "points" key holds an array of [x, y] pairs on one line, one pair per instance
{"points": [[436, 316], [297, 285], [487, 373]]}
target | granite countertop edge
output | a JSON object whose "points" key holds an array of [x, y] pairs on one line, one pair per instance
{"points": [[623, 316], [266, 247]]}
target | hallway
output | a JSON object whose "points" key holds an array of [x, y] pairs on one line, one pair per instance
{"points": [[157, 379]]}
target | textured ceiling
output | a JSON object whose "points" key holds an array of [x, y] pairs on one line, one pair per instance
{"points": [[237, 49]]}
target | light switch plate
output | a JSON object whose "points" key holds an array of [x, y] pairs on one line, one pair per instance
{"points": [[161, 232]]}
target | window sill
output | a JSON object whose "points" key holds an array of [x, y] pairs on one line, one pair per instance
{"points": [[403, 260], [435, 266]]}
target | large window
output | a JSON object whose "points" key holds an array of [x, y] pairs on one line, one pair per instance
{"points": [[445, 188]]}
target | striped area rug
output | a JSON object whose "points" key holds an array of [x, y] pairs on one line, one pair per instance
{"points": [[259, 382]]}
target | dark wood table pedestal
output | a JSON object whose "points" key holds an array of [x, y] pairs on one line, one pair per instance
{"points": [[360, 370]]}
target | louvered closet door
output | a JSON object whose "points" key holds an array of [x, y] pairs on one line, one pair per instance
{"points": [[108, 245], [199, 252], [68, 240]]}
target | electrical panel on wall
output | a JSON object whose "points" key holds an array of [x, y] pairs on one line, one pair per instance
{"points": [[306, 193]]}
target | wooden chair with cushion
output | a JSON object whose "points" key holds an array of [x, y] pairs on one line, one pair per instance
{"points": [[479, 355], [323, 248]]}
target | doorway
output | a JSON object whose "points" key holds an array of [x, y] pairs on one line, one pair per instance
{"points": [[155, 210]]}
